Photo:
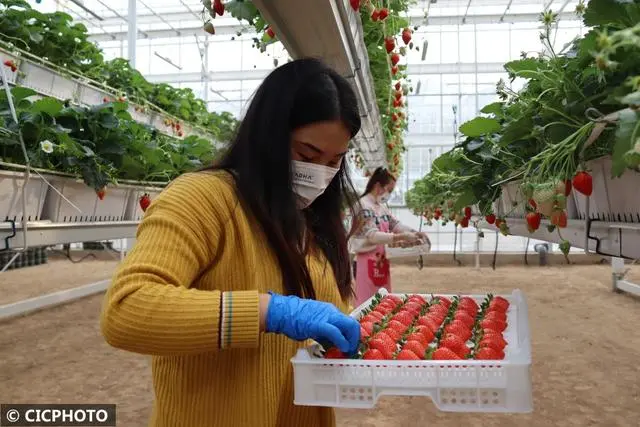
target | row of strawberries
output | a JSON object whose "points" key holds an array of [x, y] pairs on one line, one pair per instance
{"points": [[440, 329]]}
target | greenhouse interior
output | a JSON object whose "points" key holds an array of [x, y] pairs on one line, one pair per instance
{"points": [[489, 193]]}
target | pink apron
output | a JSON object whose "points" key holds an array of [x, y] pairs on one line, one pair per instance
{"points": [[372, 269]]}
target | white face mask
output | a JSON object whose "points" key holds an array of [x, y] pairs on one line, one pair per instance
{"points": [[310, 181], [384, 197]]}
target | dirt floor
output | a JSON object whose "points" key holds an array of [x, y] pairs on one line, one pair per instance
{"points": [[585, 339]]}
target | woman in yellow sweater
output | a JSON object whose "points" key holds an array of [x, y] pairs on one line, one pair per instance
{"points": [[203, 290]]}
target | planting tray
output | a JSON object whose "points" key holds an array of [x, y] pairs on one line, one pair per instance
{"points": [[92, 209], [454, 386], [613, 199], [11, 185], [411, 252]]}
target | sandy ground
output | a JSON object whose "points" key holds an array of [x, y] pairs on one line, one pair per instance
{"points": [[586, 347]]}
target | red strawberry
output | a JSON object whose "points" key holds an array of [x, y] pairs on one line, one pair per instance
{"points": [[373, 354], [355, 4], [567, 187], [464, 222], [394, 117], [533, 204], [429, 323], [499, 302], [145, 201], [364, 334], [375, 15], [406, 36], [394, 70], [334, 353], [533, 221], [101, 193], [455, 344], [417, 298], [382, 309], [468, 301], [370, 318], [412, 306], [218, 7], [416, 336], [407, 355], [444, 301], [439, 309], [394, 298], [398, 95], [493, 335], [497, 315], [270, 32], [9, 63], [384, 12], [493, 324], [389, 44], [424, 331], [491, 218], [417, 347], [395, 58], [393, 334], [444, 353], [398, 86], [180, 134], [376, 315], [583, 183], [488, 353], [458, 328], [467, 212], [492, 341], [400, 327], [384, 346], [437, 213], [499, 222], [465, 318], [404, 318], [367, 326]]}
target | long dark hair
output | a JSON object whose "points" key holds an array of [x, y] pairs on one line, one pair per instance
{"points": [[380, 176], [296, 94]]}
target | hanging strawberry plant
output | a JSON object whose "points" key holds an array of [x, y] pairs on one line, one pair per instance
{"points": [[387, 37], [579, 104], [56, 39]]}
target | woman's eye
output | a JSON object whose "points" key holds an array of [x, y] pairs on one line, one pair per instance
{"points": [[304, 158]]}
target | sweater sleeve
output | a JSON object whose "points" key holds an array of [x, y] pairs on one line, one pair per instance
{"points": [[151, 306]]}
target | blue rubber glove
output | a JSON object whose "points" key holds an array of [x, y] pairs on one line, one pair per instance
{"points": [[301, 319]]}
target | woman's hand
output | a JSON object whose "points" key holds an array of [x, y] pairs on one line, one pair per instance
{"points": [[424, 237], [301, 319]]}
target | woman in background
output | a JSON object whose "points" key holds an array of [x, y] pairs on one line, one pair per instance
{"points": [[376, 228]]}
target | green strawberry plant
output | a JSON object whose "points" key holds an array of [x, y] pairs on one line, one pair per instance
{"points": [[101, 144], [56, 39], [578, 104]]}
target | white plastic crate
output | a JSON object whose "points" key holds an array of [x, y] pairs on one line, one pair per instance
{"points": [[454, 386], [112, 208], [11, 184], [411, 252]]}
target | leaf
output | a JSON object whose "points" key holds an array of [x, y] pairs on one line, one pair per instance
{"points": [[474, 144], [627, 122], [467, 198], [20, 93], [617, 13], [522, 65], [50, 106], [480, 126], [493, 108], [36, 37], [109, 121]]}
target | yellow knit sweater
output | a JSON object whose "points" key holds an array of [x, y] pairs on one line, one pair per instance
{"points": [[197, 249]]}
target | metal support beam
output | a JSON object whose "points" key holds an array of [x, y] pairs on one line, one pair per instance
{"points": [[45, 233], [413, 70], [132, 33], [232, 28]]}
